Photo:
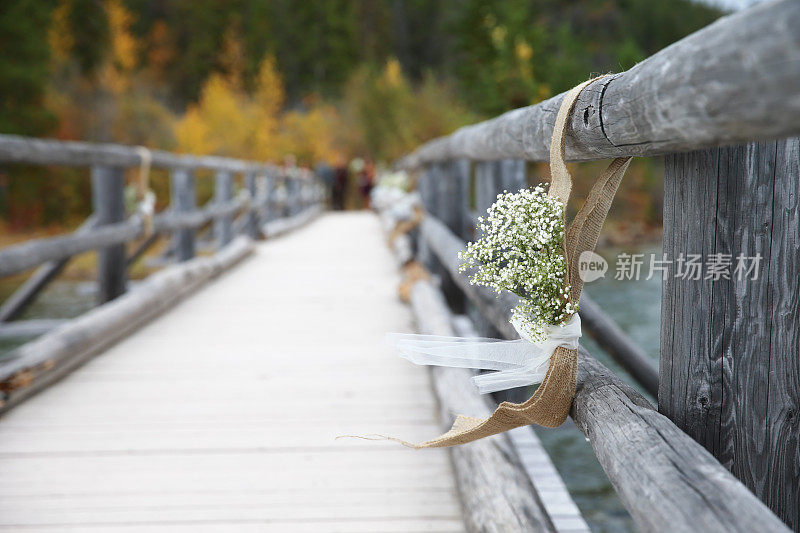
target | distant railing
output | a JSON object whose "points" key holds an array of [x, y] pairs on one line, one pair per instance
{"points": [[271, 200], [736, 81]]}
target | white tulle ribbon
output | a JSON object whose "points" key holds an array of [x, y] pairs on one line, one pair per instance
{"points": [[518, 363]]}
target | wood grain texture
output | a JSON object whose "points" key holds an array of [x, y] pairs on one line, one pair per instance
{"points": [[734, 81], [666, 480], [783, 404], [729, 353]]}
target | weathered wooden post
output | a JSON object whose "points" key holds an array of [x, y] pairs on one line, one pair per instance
{"points": [[251, 225], [108, 202], [425, 187], [449, 190], [304, 193], [730, 336], [454, 196], [293, 198], [487, 186], [269, 198], [288, 207], [462, 170], [223, 193], [183, 200], [512, 175]]}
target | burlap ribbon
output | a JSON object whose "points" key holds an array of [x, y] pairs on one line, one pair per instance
{"points": [[549, 406], [145, 195], [405, 226]]}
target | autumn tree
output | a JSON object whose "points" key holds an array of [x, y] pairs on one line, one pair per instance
{"points": [[24, 67]]}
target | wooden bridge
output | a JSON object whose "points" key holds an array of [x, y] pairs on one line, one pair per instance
{"points": [[208, 397]]}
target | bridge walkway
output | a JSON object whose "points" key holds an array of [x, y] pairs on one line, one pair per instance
{"points": [[222, 414]]}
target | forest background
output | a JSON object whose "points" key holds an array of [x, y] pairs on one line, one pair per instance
{"points": [[324, 80]]}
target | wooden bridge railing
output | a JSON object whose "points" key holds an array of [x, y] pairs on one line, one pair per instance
{"points": [[270, 201], [729, 377]]}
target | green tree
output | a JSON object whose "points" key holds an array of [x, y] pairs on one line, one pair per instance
{"points": [[89, 34], [24, 67]]}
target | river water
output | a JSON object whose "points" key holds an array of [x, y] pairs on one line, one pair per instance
{"points": [[60, 299], [571, 453]]}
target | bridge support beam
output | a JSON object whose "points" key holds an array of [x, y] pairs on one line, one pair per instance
{"points": [[268, 208], [730, 347], [108, 202], [487, 186], [223, 192], [251, 227], [512, 175], [183, 199]]}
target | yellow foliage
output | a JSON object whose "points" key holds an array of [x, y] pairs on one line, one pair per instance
{"points": [[309, 135], [269, 92], [116, 72], [267, 103], [382, 117], [59, 37], [523, 50], [385, 117], [220, 123], [123, 44], [393, 73], [192, 133], [228, 121]]}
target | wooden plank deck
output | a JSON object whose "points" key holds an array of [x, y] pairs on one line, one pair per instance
{"points": [[222, 414]]}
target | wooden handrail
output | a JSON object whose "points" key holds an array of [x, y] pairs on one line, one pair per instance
{"points": [[110, 231], [26, 150], [27, 292], [31, 253], [736, 80], [658, 470]]}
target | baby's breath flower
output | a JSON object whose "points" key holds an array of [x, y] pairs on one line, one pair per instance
{"points": [[520, 250]]}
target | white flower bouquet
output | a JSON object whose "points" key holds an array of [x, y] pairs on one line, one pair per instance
{"points": [[521, 250], [525, 247]]}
